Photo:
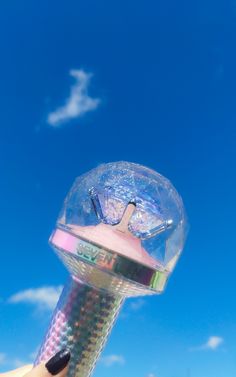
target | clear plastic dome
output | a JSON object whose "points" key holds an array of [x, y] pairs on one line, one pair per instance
{"points": [[103, 194]]}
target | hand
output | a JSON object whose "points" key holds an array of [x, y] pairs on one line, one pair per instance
{"points": [[56, 366]]}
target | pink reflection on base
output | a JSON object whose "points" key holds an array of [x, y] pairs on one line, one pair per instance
{"points": [[107, 237]]}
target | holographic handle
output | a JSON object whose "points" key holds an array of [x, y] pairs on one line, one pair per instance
{"points": [[120, 233], [82, 321]]}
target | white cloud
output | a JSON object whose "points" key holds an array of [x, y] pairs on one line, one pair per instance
{"points": [[110, 360], [17, 363], [43, 297], [151, 375], [78, 103], [33, 355], [212, 344], [133, 306], [2, 358], [137, 304]]}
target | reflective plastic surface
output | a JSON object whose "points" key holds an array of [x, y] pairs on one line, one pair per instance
{"points": [[103, 194]]}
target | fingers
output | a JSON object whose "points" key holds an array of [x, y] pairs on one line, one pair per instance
{"points": [[56, 366], [19, 372]]}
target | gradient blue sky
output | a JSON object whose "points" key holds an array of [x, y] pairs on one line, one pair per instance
{"points": [[164, 73]]}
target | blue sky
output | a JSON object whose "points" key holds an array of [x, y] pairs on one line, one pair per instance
{"points": [[95, 81]]}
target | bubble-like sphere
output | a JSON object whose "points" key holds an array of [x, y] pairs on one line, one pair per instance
{"points": [[103, 194]]}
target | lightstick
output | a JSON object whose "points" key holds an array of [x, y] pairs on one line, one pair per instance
{"points": [[120, 233]]}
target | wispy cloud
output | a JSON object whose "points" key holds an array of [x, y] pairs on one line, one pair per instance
{"points": [[2, 358], [17, 363], [33, 355], [43, 297], [137, 304], [110, 360], [151, 375], [78, 103], [213, 343], [134, 305]]}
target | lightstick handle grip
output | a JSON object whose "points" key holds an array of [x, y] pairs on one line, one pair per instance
{"points": [[81, 322]]}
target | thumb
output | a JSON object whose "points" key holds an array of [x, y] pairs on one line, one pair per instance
{"points": [[56, 366]]}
